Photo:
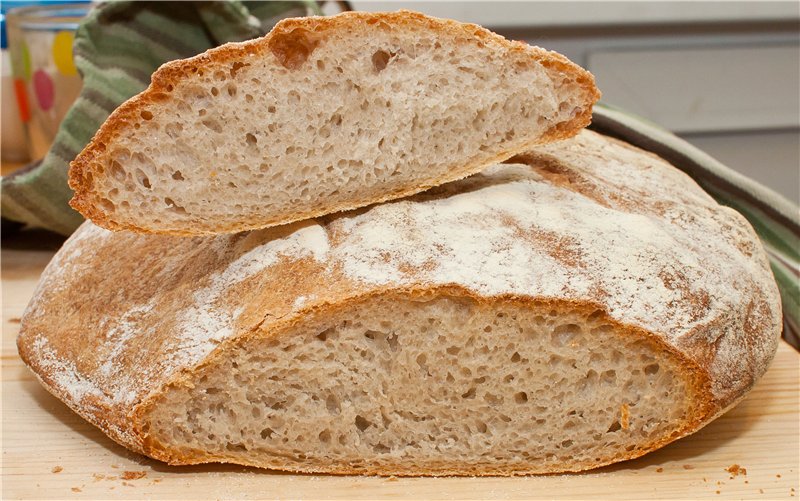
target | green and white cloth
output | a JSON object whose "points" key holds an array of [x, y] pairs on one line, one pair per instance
{"points": [[120, 44]]}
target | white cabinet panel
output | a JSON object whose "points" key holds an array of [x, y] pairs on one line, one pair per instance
{"points": [[704, 89], [497, 14]]}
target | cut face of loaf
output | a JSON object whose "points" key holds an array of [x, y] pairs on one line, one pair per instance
{"points": [[441, 385], [583, 305], [322, 115]]}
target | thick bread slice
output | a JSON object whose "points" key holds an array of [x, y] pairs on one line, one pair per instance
{"points": [[322, 114], [585, 305]]}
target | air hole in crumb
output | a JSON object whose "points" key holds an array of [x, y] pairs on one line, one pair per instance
{"points": [[267, 433], [107, 205], [117, 172], [332, 404], [214, 91], [177, 175], [563, 334], [325, 436], [595, 315], [251, 139], [469, 394], [271, 109], [142, 178], [516, 357], [236, 67], [146, 115], [248, 98], [213, 125], [615, 426], [292, 48], [173, 129], [521, 397], [231, 88], [651, 369], [361, 423], [380, 59]]}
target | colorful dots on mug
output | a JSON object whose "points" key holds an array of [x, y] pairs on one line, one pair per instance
{"points": [[44, 89], [62, 53], [25, 57], [22, 99]]}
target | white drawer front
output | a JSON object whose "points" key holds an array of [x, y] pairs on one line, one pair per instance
{"points": [[704, 89]]}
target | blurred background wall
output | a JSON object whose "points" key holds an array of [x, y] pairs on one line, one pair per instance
{"points": [[723, 75]]}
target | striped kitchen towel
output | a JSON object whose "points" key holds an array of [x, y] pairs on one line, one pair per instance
{"points": [[120, 44]]}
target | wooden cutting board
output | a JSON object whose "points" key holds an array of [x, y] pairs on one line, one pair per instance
{"points": [[51, 453]]}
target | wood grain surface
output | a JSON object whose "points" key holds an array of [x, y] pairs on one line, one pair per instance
{"points": [[51, 453]]}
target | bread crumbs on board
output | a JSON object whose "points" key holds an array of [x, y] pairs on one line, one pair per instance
{"points": [[76, 489], [133, 475], [57, 469], [735, 470]]}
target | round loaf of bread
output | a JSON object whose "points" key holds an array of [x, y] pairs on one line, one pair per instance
{"points": [[585, 304]]}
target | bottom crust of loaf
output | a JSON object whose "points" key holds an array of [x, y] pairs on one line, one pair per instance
{"points": [[431, 383]]}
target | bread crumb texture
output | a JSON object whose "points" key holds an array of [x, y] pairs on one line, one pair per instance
{"points": [[583, 304]]}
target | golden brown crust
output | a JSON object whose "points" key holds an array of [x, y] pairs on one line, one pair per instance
{"points": [[710, 301], [88, 164]]}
